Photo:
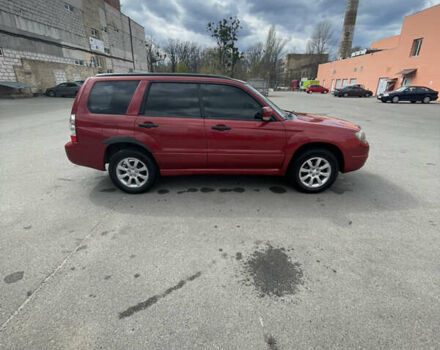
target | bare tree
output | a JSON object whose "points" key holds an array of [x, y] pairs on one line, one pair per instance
{"points": [[171, 50], [254, 57], [272, 60], [322, 38]]}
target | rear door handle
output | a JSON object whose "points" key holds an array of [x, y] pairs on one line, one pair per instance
{"points": [[148, 125], [221, 127]]}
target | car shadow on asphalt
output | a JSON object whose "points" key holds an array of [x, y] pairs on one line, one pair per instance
{"points": [[360, 191]]}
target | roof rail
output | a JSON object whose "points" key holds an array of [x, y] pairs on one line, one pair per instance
{"points": [[134, 74]]}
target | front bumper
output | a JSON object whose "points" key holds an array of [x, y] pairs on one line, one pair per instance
{"points": [[356, 157]]}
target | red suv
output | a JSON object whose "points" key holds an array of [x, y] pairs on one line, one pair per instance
{"points": [[316, 88], [146, 125]]}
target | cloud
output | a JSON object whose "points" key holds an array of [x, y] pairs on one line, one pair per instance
{"points": [[294, 19]]}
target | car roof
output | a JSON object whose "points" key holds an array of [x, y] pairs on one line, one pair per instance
{"points": [[176, 75]]}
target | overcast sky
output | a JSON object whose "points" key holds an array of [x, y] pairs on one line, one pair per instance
{"points": [[294, 19]]}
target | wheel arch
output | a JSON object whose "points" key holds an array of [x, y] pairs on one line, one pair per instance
{"points": [[118, 143], [322, 145]]}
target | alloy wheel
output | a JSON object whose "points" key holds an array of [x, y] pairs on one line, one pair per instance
{"points": [[132, 172], [315, 172]]}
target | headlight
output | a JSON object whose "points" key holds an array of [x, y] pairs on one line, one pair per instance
{"points": [[361, 136]]}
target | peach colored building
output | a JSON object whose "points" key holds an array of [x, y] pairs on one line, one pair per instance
{"points": [[410, 58]]}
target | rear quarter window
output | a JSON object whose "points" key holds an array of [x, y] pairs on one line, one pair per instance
{"points": [[111, 97]]}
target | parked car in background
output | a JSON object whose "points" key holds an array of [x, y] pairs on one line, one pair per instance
{"points": [[353, 91], [316, 88], [146, 125], [64, 90], [410, 93], [80, 81]]}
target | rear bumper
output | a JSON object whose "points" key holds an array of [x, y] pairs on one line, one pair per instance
{"points": [[356, 158], [81, 154]]}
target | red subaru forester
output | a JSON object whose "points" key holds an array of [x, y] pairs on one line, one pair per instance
{"points": [[146, 125]]}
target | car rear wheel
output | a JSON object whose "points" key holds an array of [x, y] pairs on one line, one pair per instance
{"points": [[367, 94], [309, 92], [427, 99], [51, 93], [395, 99], [314, 171], [325, 92], [132, 171]]}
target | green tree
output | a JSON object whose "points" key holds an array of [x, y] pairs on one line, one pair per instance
{"points": [[225, 32]]}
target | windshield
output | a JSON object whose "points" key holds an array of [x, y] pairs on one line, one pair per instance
{"points": [[269, 102]]}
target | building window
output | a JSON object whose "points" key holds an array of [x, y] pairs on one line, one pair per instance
{"points": [[415, 50], [79, 62], [334, 71], [95, 33], [338, 83], [361, 68], [344, 82], [68, 7], [107, 51], [355, 69], [352, 81]]}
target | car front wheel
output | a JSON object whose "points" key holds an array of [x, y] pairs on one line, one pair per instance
{"points": [[314, 171], [132, 171]]}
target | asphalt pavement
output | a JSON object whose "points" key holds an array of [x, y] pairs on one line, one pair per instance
{"points": [[221, 262]]}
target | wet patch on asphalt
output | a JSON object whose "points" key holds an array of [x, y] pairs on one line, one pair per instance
{"points": [[14, 277], [189, 190], [272, 272], [271, 342], [277, 189], [163, 191], [108, 190], [154, 299]]}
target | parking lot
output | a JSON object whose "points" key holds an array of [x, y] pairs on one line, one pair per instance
{"points": [[221, 262]]}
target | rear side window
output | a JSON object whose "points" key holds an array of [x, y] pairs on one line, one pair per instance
{"points": [[180, 100], [228, 102], [111, 97]]}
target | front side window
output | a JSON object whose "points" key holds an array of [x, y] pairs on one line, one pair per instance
{"points": [[111, 97], [417, 44], [228, 102], [179, 100]]}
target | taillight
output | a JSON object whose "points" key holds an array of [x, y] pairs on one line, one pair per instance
{"points": [[72, 128]]}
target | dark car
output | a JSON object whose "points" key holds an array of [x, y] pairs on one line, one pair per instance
{"points": [[64, 89], [410, 93], [80, 81], [146, 125], [353, 90]]}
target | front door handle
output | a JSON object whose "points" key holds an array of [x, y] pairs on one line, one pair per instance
{"points": [[221, 127], [148, 125]]}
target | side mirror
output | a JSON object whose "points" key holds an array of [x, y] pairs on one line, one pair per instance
{"points": [[266, 115]]}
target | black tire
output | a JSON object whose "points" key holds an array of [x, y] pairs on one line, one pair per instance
{"points": [[395, 99], [367, 94], [325, 92], [135, 154], [294, 170], [51, 93], [426, 99], [413, 101]]}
